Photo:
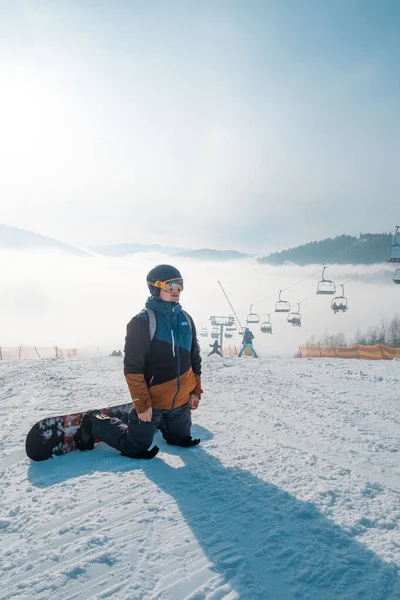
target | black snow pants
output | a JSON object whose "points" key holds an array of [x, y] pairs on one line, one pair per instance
{"points": [[216, 352], [137, 435]]}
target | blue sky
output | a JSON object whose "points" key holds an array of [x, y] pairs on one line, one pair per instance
{"points": [[249, 125]]}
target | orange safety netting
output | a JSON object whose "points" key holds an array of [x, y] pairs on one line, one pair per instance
{"points": [[35, 352], [346, 351], [230, 351], [389, 353], [376, 352], [247, 352]]}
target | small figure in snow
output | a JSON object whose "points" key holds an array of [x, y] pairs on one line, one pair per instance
{"points": [[248, 338], [162, 366], [215, 348]]}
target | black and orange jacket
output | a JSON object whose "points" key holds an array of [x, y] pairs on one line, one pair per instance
{"points": [[164, 371]]}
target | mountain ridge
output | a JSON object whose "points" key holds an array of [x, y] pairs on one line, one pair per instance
{"points": [[14, 238], [367, 248]]}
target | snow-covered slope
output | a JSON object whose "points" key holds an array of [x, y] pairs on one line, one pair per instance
{"points": [[293, 493]]}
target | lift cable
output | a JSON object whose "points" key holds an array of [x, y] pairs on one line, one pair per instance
{"points": [[316, 272]]}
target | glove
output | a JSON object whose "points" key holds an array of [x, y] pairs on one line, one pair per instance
{"points": [[187, 443], [146, 454]]}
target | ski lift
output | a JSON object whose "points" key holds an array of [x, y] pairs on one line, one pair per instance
{"points": [[232, 326], [326, 286], [396, 276], [241, 331], [203, 332], [282, 305], [215, 333], [266, 326], [228, 335], [395, 247], [294, 318], [252, 317], [339, 303]]}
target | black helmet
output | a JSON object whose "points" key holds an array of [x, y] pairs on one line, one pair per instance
{"points": [[161, 273]]}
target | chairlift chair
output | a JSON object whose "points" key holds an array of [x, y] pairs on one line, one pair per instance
{"points": [[215, 333], [326, 286], [232, 327], [282, 305], [396, 276], [203, 332], [252, 317], [395, 247], [228, 335], [241, 331], [294, 318], [266, 326], [339, 303]]}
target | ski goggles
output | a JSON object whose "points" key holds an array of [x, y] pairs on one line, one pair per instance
{"points": [[170, 286]]}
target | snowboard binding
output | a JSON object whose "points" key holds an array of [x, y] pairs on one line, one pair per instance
{"points": [[84, 439]]}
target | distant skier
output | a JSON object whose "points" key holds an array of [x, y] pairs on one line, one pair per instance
{"points": [[248, 338], [215, 348], [162, 367]]}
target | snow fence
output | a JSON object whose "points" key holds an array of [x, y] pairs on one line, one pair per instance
{"points": [[230, 351], [376, 352], [35, 352]]}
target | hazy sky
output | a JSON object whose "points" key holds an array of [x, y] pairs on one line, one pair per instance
{"points": [[253, 125]]}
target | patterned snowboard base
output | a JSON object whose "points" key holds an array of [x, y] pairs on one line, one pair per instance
{"points": [[55, 435]]}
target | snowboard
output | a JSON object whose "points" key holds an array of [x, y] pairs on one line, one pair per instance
{"points": [[55, 435]]}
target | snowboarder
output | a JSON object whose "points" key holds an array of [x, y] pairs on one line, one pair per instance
{"points": [[215, 348], [162, 366], [248, 338]]}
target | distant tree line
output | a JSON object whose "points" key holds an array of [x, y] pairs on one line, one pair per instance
{"points": [[368, 248], [387, 332]]}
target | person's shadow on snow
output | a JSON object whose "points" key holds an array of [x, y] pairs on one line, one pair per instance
{"points": [[265, 542], [262, 541]]}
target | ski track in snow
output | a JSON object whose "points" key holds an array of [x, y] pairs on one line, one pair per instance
{"points": [[294, 492]]}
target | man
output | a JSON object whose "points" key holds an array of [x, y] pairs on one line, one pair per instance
{"points": [[215, 348], [248, 338], [162, 367]]}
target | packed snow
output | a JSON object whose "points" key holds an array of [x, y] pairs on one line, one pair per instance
{"points": [[293, 492]]}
